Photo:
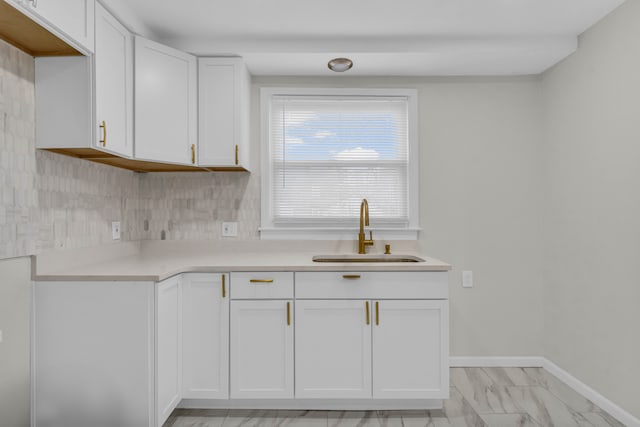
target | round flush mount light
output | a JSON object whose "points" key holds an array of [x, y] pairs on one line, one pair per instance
{"points": [[340, 65]]}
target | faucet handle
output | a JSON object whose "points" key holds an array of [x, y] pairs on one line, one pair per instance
{"points": [[371, 235]]}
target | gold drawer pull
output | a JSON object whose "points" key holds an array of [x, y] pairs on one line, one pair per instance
{"points": [[350, 276], [236, 154], [288, 313], [377, 313], [224, 289], [367, 307], [261, 281], [103, 126], [193, 154]]}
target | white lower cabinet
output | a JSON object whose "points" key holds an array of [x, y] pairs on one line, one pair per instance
{"points": [[205, 371], [93, 354], [168, 347], [333, 349], [129, 353], [261, 349], [410, 349]]}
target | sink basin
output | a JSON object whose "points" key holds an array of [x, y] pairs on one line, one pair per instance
{"points": [[366, 258]]}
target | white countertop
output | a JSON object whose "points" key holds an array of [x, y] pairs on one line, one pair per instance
{"points": [[158, 260]]}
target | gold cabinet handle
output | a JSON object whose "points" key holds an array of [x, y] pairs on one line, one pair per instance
{"points": [[103, 126], [261, 281], [377, 313], [351, 276], [193, 154], [237, 154], [288, 313], [367, 309], [224, 289]]}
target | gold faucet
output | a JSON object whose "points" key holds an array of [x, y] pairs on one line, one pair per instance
{"points": [[364, 220]]}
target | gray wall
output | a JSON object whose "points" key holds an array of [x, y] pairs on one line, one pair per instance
{"points": [[592, 209], [480, 195], [15, 300]]}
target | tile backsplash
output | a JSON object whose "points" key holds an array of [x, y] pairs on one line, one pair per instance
{"points": [[49, 201]]}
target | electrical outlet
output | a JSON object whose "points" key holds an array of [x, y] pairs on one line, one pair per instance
{"points": [[115, 230], [467, 279], [229, 229]]}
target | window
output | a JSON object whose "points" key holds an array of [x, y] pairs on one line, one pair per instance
{"points": [[324, 150]]}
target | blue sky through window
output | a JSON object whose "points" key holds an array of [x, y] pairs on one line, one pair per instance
{"points": [[343, 136]]}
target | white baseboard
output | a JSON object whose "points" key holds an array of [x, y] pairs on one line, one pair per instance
{"points": [[496, 362], [614, 410], [541, 362]]}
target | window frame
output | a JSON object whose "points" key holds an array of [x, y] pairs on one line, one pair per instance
{"points": [[271, 231]]}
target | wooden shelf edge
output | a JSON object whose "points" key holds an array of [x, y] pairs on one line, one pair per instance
{"points": [[101, 157], [22, 32]]}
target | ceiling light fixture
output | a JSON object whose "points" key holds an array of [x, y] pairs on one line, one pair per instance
{"points": [[340, 65]]}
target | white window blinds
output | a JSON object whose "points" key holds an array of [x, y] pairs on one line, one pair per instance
{"points": [[327, 153]]}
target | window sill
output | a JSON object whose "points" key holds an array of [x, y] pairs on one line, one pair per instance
{"points": [[267, 233]]}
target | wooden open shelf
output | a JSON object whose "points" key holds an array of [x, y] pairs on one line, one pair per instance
{"points": [[19, 30], [135, 165]]}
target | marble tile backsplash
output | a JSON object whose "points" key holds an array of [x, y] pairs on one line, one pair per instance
{"points": [[49, 201], [194, 205]]}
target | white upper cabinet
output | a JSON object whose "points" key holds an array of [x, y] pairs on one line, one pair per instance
{"points": [[113, 62], [165, 103], [205, 336], [68, 116], [73, 20], [224, 103]]}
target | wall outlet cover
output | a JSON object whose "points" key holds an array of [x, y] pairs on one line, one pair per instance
{"points": [[115, 230], [467, 279], [229, 229]]}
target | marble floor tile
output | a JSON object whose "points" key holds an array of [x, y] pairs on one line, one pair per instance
{"points": [[457, 413], [250, 418], [301, 419], [545, 409], [509, 420], [405, 418], [602, 419], [517, 376], [491, 397], [353, 419], [197, 418], [481, 392]]}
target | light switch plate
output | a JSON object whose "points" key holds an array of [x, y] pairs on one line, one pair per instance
{"points": [[229, 229], [467, 279], [0, 336], [115, 230]]}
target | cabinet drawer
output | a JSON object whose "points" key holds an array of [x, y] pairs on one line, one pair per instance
{"points": [[372, 285], [257, 285]]}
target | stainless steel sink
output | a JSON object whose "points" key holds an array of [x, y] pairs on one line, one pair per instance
{"points": [[366, 258]]}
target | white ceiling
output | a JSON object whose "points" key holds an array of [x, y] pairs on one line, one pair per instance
{"points": [[383, 37]]}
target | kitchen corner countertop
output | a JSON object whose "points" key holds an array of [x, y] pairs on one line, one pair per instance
{"points": [[158, 260]]}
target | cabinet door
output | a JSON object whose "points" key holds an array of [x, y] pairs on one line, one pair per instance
{"points": [[206, 336], [223, 123], [114, 84], [73, 17], [92, 354], [261, 349], [333, 349], [168, 347], [165, 103], [410, 349]]}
